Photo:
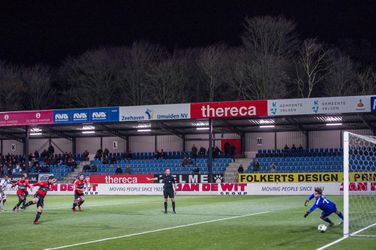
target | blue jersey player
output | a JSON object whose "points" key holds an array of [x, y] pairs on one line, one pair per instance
{"points": [[328, 207]]}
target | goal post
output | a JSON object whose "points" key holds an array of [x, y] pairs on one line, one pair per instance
{"points": [[359, 185]]}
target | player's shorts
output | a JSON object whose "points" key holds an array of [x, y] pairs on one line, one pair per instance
{"points": [[21, 196], [3, 196], [326, 213], [77, 196], [168, 193], [40, 200]]}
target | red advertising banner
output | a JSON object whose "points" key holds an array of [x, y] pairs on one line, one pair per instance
{"points": [[229, 109], [26, 118], [122, 178]]}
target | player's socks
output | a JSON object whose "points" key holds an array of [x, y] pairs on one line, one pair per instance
{"points": [[17, 206], [340, 215], [165, 207], [74, 205], [173, 206], [328, 220], [28, 204], [37, 216]]}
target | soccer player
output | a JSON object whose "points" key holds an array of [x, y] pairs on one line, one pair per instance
{"points": [[26, 192], [22, 186], [328, 207], [169, 189], [44, 186], [79, 189], [3, 197]]}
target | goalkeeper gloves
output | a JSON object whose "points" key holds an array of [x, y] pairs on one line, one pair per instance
{"points": [[306, 203], [306, 214]]}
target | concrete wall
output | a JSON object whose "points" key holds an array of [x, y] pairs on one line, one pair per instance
{"points": [[270, 140]]}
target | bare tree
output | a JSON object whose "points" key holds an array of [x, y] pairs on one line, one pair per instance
{"points": [[11, 87], [270, 36], [135, 80], [311, 67], [92, 77], [37, 85], [367, 81], [261, 68], [341, 77], [213, 63], [169, 81]]}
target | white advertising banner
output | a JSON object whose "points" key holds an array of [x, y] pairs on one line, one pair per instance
{"points": [[320, 105], [225, 189], [155, 112]]}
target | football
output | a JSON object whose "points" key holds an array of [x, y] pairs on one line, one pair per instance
{"points": [[322, 228]]}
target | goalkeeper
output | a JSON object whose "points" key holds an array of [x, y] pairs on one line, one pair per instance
{"points": [[328, 207]]}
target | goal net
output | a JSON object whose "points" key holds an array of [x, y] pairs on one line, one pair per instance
{"points": [[359, 186]]}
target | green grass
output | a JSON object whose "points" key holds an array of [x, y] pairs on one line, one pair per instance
{"points": [[283, 227]]}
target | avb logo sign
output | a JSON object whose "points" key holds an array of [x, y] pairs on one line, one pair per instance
{"points": [[99, 115], [61, 117], [79, 116], [229, 109]]}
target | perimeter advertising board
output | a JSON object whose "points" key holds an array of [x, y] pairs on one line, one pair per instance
{"points": [[155, 112], [235, 109], [323, 105], [26, 118], [86, 115]]}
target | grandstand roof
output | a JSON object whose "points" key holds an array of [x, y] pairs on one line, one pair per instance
{"points": [[305, 114], [184, 127]]}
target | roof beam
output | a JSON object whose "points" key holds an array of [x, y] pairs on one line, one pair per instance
{"points": [[58, 133], [233, 128], [299, 126], [367, 123], [169, 129], [114, 132]]}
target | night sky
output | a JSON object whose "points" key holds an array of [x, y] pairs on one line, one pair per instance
{"points": [[49, 31]]}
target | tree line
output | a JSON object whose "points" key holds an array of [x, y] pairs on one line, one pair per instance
{"points": [[272, 62]]}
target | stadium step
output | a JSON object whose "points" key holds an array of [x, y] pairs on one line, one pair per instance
{"points": [[72, 176], [231, 173]]}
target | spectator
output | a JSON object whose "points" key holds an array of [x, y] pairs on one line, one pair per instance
{"points": [[286, 147], [293, 147], [202, 151], [51, 150], [227, 149], [93, 168], [194, 151], [196, 170], [216, 152], [273, 169], [162, 154], [86, 168], [240, 169], [128, 155], [157, 155], [186, 161], [36, 154], [300, 147], [256, 166], [85, 155], [118, 170], [127, 170], [98, 155], [233, 153]]}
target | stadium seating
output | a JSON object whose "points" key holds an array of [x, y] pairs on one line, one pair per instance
{"points": [[153, 166], [300, 160]]}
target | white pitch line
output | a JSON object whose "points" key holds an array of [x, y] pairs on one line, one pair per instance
{"points": [[333, 243], [345, 237], [157, 230]]}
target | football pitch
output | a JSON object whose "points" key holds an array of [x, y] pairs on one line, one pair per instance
{"points": [[201, 222]]}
